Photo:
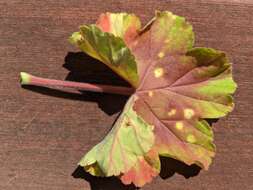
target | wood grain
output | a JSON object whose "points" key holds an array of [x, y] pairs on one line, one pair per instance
{"points": [[44, 133]]}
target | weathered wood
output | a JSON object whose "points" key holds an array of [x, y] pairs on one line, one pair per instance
{"points": [[44, 133]]}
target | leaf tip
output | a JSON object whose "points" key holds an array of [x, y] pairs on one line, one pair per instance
{"points": [[75, 38]]}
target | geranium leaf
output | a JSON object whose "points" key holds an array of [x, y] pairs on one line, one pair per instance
{"points": [[178, 88]]}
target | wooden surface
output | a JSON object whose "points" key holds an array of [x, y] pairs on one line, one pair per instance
{"points": [[44, 133]]}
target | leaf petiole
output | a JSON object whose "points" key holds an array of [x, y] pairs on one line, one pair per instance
{"points": [[28, 79]]}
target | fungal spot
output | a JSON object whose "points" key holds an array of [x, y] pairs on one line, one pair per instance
{"points": [[150, 94], [128, 124], [191, 139], [152, 127], [179, 125], [158, 72], [161, 55], [79, 39], [188, 113], [172, 112]]}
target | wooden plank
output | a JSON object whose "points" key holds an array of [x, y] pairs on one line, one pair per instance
{"points": [[44, 133]]}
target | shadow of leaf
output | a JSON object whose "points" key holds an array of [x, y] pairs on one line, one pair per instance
{"points": [[83, 68], [212, 121], [170, 166], [101, 183]]}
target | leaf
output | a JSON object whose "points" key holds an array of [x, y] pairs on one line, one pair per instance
{"points": [[178, 88]]}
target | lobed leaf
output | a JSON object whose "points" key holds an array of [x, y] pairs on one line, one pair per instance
{"points": [[177, 88]]}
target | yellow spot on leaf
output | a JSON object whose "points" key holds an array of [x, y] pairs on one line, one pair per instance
{"points": [[150, 94], [158, 72], [152, 127], [191, 139], [172, 112], [179, 125], [161, 55], [188, 113]]}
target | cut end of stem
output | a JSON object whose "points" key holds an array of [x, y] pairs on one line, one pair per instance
{"points": [[25, 78]]}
